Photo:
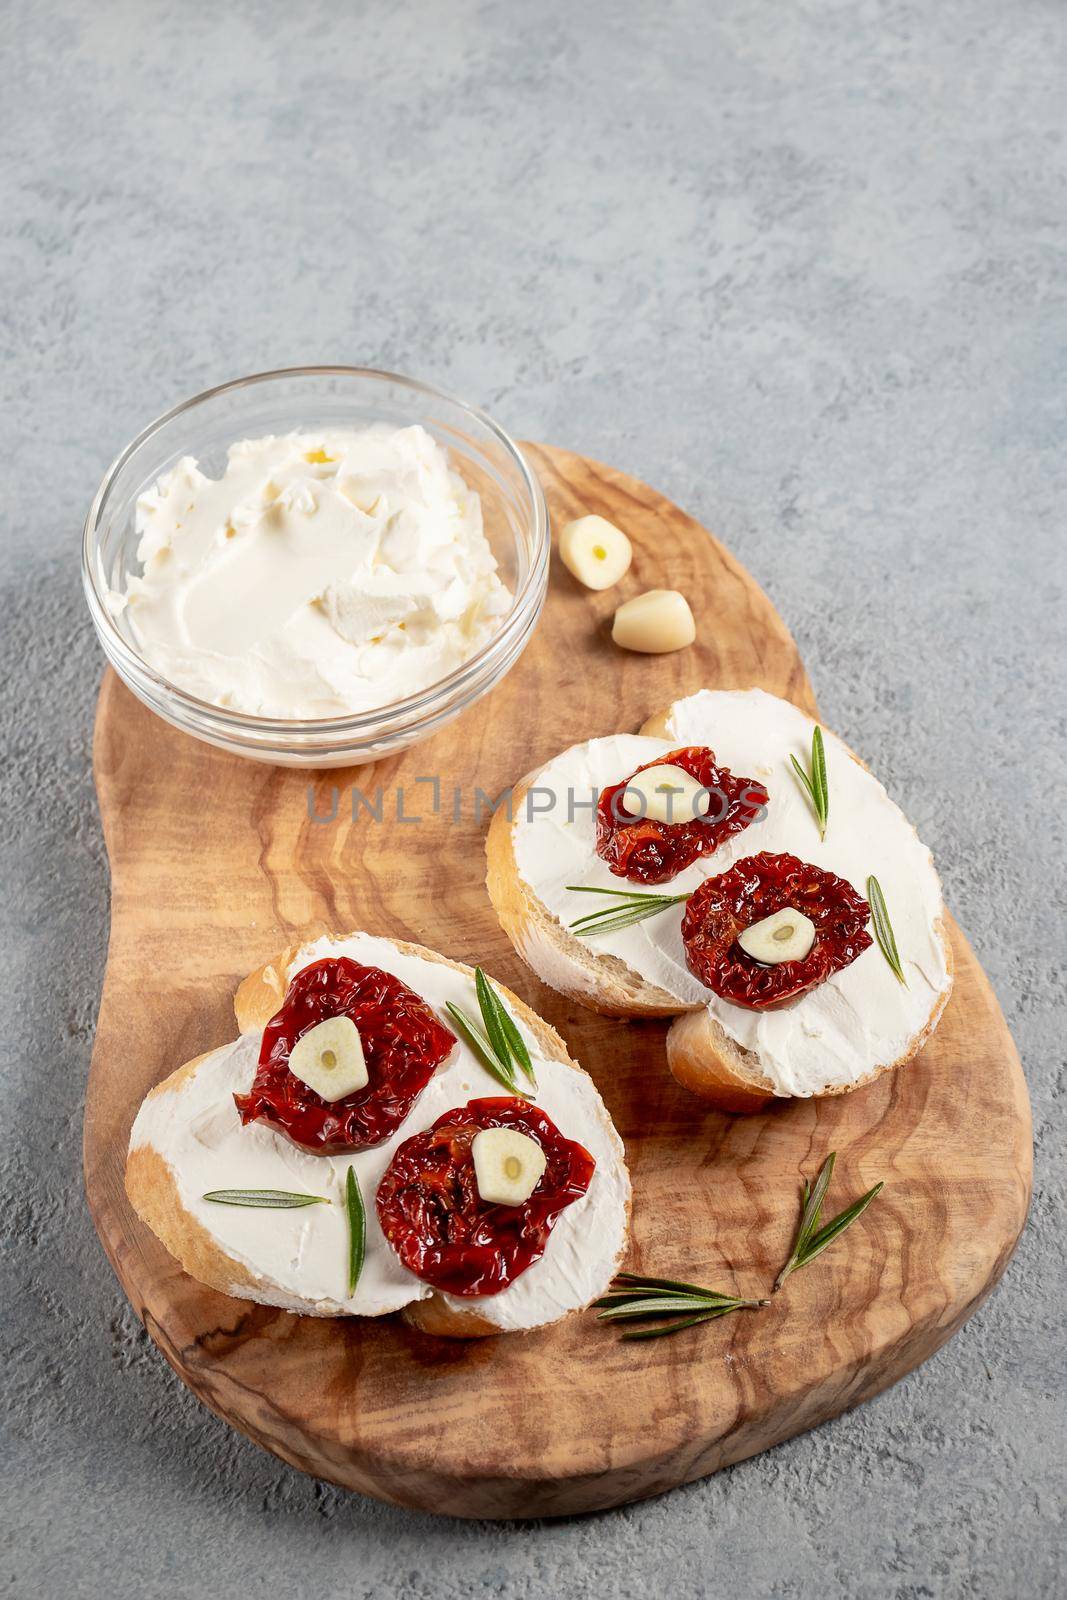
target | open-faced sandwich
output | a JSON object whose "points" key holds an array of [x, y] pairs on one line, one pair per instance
{"points": [[733, 867], [365, 1147]]}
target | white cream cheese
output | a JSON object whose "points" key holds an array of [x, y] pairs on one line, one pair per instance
{"points": [[859, 1019], [302, 1253], [322, 574]]}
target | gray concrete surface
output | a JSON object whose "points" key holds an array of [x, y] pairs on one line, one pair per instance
{"points": [[800, 266]]}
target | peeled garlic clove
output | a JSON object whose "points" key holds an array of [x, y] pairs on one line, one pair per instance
{"points": [[665, 793], [654, 622], [507, 1165], [786, 936], [595, 551], [329, 1059]]}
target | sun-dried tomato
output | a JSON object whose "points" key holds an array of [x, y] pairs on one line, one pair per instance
{"points": [[647, 851], [403, 1044], [435, 1220], [756, 887]]}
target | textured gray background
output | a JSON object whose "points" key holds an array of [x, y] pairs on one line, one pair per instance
{"points": [[800, 265]]}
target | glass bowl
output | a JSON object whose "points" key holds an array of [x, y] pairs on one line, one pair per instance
{"points": [[513, 509]]}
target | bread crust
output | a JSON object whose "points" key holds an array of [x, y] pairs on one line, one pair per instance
{"points": [[705, 1060], [153, 1191], [152, 1185], [700, 1054]]}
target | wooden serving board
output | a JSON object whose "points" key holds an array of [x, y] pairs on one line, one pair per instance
{"points": [[216, 866]]}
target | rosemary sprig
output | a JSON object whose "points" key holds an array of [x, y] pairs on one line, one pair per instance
{"points": [[814, 782], [500, 1027], [883, 928], [269, 1199], [501, 1048], [671, 1305], [811, 1240], [633, 907], [357, 1229], [481, 1047], [635, 1299], [811, 1205]]}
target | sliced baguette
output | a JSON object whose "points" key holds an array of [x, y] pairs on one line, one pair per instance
{"points": [[701, 1054], [705, 1060], [154, 1189]]}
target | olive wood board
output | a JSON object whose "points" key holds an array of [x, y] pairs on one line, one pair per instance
{"points": [[216, 865]]}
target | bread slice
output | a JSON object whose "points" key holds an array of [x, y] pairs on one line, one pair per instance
{"points": [[705, 1060], [187, 1135], [710, 1059]]}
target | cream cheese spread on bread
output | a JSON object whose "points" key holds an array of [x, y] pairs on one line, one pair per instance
{"points": [[857, 1021], [297, 1258]]}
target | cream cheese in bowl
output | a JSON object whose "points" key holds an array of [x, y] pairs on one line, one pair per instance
{"points": [[323, 573]]}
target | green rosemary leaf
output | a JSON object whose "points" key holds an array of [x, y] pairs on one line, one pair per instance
{"points": [[633, 1298], [818, 1243], [270, 1199], [685, 1322], [658, 1297], [616, 924], [482, 1049], [491, 1019], [619, 1299], [811, 1240], [357, 1229], [883, 928], [504, 1036], [671, 1285], [814, 783], [813, 1204], [809, 1217], [659, 1306], [818, 778], [635, 908], [518, 1044], [631, 903]]}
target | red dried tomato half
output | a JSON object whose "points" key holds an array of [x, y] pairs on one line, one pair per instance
{"points": [[646, 851], [756, 887], [403, 1044], [435, 1220]]}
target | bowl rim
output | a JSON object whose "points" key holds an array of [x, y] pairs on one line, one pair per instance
{"points": [[527, 599]]}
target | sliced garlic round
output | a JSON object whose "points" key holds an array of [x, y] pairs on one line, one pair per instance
{"points": [[329, 1059], [786, 936], [665, 793], [507, 1165], [654, 623], [595, 551]]}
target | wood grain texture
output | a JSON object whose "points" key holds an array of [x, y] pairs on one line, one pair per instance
{"points": [[216, 864]]}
